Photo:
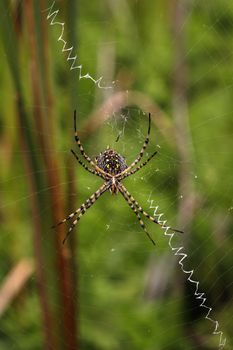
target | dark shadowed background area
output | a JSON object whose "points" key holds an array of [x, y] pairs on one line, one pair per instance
{"points": [[108, 287]]}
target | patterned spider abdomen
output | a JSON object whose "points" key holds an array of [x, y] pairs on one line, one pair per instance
{"points": [[111, 162]]}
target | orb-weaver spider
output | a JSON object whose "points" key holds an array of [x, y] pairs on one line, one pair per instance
{"points": [[111, 167]]}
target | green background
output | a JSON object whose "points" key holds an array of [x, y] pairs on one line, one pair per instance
{"points": [[108, 287]]}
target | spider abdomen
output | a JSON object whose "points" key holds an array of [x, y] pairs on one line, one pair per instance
{"points": [[111, 162]]}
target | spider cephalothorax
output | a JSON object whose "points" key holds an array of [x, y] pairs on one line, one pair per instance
{"points": [[111, 167], [111, 162]]}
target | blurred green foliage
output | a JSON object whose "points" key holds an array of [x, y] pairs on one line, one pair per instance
{"points": [[113, 259]]}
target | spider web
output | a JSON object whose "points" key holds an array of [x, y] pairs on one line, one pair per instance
{"points": [[131, 284]]}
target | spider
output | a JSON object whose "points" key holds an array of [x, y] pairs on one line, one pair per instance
{"points": [[112, 168]]}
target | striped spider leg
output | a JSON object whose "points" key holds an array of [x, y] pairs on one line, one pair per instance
{"points": [[95, 172], [135, 210], [83, 208], [83, 153], [124, 175], [130, 199], [139, 157]]}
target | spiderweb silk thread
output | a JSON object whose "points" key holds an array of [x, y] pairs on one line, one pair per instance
{"points": [[179, 251], [71, 57]]}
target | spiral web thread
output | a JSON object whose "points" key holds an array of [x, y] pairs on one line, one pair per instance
{"points": [[71, 57], [179, 251]]}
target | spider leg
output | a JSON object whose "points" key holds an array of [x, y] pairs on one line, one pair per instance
{"points": [[135, 210], [138, 167], [91, 200], [77, 139], [141, 210], [86, 167], [141, 152], [88, 159]]}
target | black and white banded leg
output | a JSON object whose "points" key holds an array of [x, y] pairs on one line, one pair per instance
{"points": [[77, 139], [138, 167], [86, 167], [142, 150], [142, 211], [88, 159], [133, 207], [87, 204], [83, 208]]}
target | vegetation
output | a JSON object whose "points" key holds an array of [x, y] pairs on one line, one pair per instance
{"points": [[109, 287]]}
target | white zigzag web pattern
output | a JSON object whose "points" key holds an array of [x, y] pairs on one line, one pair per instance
{"points": [[178, 251], [71, 56]]}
